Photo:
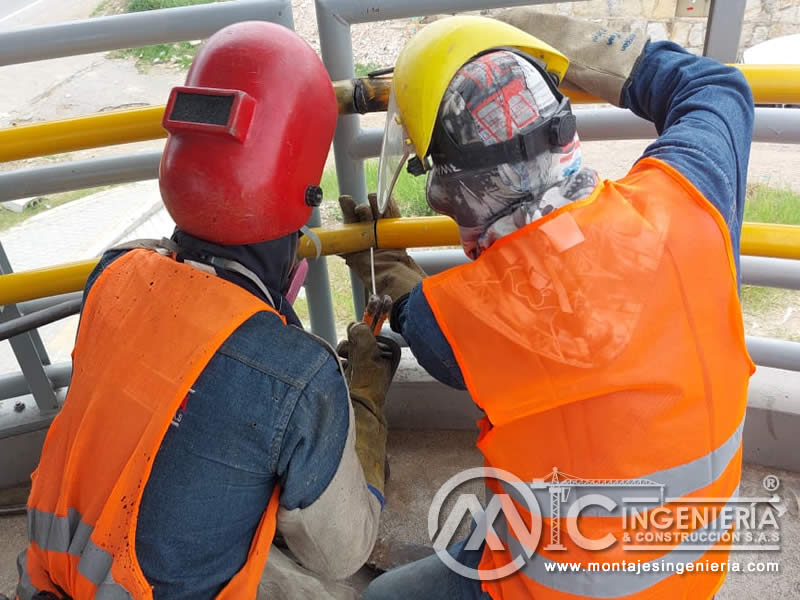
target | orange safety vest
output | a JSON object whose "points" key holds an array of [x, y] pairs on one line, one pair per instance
{"points": [[605, 341], [149, 327]]}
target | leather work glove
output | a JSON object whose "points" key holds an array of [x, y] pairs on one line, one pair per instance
{"points": [[396, 273], [601, 60], [369, 370]]}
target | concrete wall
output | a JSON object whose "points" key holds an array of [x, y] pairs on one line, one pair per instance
{"points": [[764, 19]]}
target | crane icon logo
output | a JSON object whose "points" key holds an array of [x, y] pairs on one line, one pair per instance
{"points": [[494, 524]]}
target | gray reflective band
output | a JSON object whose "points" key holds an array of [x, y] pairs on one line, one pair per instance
{"points": [[71, 535], [614, 584], [649, 490], [95, 564], [25, 588]]}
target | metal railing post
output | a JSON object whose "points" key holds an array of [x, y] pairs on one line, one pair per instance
{"points": [[337, 53], [318, 293], [29, 352], [724, 29]]}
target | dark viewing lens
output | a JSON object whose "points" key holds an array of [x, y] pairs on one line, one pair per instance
{"points": [[202, 108]]}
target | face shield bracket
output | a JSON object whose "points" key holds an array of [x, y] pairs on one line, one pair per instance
{"points": [[419, 167]]}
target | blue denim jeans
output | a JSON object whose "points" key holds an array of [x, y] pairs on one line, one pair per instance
{"points": [[429, 578]]}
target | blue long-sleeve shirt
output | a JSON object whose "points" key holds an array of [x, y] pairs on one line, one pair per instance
{"points": [[703, 112]]}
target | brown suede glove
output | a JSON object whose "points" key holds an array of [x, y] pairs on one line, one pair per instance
{"points": [[369, 370], [601, 60], [396, 273]]}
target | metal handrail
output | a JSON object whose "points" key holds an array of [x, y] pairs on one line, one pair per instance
{"points": [[771, 84], [133, 30], [769, 240], [772, 125]]}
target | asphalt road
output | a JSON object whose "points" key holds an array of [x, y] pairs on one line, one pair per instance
{"points": [[17, 14], [11, 9]]}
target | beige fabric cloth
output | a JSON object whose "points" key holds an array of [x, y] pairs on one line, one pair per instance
{"points": [[335, 535], [284, 579], [601, 59]]}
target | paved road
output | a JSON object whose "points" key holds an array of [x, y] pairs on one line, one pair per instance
{"points": [[13, 8], [15, 14]]}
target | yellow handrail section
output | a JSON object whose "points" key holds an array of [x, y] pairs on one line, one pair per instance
{"points": [[82, 133], [780, 241], [772, 240], [771, 84]]}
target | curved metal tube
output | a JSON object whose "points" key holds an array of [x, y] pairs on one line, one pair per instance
{"points": [[39, 318]]}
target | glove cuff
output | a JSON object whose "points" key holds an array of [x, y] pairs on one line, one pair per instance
{"points": [[371, 436], [601, 61]]}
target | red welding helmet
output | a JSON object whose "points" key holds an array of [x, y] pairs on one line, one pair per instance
{"points": [[248, 136]]}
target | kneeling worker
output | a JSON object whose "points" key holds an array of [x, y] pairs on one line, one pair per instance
{"points": [[200, 414], [598, 325]]}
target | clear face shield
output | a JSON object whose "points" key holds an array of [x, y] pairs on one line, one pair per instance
{"points": [[395, 152]]}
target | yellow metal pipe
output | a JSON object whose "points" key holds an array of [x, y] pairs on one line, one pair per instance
{"points": [[49, 281], [417, 232], [68, 135], [339, 240], [778, 241], [771, 84], [769, 239]]}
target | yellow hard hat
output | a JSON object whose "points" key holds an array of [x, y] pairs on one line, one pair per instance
{"points": [[425, 68]]}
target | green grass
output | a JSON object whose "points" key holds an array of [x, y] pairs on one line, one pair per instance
{"points": [[341, 294], [409, 192], [759, 300], [364, 69], [142, 5], [10, 218], [179, 54], [766, 204]]}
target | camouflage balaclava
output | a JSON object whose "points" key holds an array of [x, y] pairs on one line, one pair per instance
{"points": [[491, 99]]}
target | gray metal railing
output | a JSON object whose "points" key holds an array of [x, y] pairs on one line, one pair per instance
{"points": [[132, 30], [772, 125]]}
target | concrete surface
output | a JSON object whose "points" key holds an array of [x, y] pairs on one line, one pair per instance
{"points": [[421, 461]]}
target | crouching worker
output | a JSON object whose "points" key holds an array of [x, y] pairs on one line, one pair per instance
{"points": [[201, 416], [598, 325]]}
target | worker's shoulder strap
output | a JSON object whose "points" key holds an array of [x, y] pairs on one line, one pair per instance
{"points": [[207, 263], [164, 245]]}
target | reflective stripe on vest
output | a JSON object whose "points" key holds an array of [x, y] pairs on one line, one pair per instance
{"points": [[71, 535], [148, 328], [594, 584], [605, 341], [679, 481]]}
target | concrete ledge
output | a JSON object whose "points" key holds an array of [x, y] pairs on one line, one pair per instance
{"points": [[773, 419]]}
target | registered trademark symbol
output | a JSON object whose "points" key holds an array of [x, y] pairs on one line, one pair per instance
{"points": [[771, 483]]}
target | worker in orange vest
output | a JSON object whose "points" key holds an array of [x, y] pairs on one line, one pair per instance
{"points": [[598, 324], [201, 417]]}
